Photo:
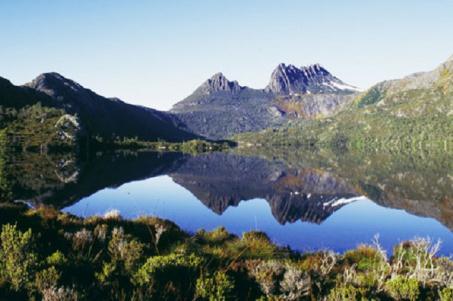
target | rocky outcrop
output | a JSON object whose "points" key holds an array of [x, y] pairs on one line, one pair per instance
{"points": [[219, 83], [220, 108], [313, 79]]}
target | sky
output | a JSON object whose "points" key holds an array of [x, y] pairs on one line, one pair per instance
{"points": [[155, 53]]}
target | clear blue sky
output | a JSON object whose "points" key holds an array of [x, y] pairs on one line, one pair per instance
{"points": [[155, 53]]}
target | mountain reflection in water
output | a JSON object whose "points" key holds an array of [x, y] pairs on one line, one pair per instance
{"points": [[316, 199]]}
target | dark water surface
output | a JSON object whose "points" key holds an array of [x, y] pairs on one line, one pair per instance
{"points": [[308, 201]]}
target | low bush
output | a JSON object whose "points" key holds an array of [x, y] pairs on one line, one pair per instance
{"points": [[104, 258]]}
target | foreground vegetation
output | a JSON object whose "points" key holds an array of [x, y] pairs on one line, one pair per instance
{"points": [[49, 255]]}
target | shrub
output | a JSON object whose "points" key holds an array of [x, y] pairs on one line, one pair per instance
{"points": [[100, 232], [60, 294], [47, 278], [17, 259], [125, 250], [295, 284], [125, 254], [253, 245], [417, 258], [444, 271], [280, 280], [402, 288], [57, 258], [446, 294], [346, 292], [172, 276], [267, 274], [161, 263], [218, 287], [366, 258], [217, 236], [82, 239]]}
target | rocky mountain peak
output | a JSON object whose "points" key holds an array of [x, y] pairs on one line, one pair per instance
{"points": [[54, 84], [219, 83], [289, 79]]}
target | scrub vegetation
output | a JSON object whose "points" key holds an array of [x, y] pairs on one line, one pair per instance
{"points": [[49, 255]]}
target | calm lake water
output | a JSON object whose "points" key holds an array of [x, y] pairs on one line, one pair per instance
{"points": [[309, 201], [306, 207]]}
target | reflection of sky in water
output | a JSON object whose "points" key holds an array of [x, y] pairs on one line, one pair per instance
{"points": [[352, 224]]}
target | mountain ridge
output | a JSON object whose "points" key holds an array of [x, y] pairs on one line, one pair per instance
{"points": [[44, 107], [408, 112], [289, 79], [220, 108]]}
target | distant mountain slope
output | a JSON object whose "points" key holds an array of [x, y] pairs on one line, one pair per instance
{"points": [[31, 119], [417, 94], [53, 111], [220, 108], [107, 117], [398, 113], [17, 97]]}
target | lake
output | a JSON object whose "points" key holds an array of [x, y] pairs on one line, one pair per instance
{"points": [[306, 200]]}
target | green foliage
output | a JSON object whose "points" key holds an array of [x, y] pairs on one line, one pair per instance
{"points": [[347, 292], [5, 183], [217, 236], [125, 255], [37, 127], [364, 257], [401, 288], [109, 258], [161, 264], [17, 259], [194, 146], [218, 287], [446, 294], [372, 96], [169, 276], [47, 278], [125, 250], [57, 259], [384, 118], [280, 280], [253, 244]]}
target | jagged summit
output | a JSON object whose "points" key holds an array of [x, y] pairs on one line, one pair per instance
{"points": [[312, 79], [219, 108], [219, 83]]}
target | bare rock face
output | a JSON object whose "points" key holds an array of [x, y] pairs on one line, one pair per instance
{"points": [[218, 82], [313, 79], [220, 108]]}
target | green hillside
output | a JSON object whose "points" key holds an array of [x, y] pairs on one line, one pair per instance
{"points": [[412, 112]]}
